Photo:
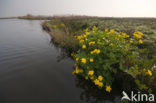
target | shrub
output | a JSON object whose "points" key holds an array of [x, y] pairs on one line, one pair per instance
{"points": [[103, 53]]}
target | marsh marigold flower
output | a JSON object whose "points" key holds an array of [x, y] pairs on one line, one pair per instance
{"points": [[108, 88], [94, 27], [62, 25], [138, 34], [83, 46], [112, 31], [72, 54], [81, 41], [140, 41], [149, 73], [98, 51], [91, 59], [86, 29], [79, 37], [87, 33], [77, 59], [91, 77], [92, 42], [131, 41], [96, 82], [100, 84], [92, 52], [83, 60], [85, 36], [106, 30], [80, 70], [100, 78], [91, 72]]}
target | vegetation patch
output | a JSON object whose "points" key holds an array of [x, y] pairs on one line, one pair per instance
{"points": [[103, 53], [105, 46]]}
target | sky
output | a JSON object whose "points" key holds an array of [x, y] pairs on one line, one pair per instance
{"points": [[104, 8]]}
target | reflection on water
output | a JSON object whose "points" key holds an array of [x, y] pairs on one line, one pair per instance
{"points": [[33, 70], [92, 94]]}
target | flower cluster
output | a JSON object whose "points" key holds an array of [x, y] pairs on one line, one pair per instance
{"points": [[102, 53], [58, 26]]}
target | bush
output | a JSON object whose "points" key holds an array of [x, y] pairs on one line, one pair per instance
{"points": [[103, 53]]}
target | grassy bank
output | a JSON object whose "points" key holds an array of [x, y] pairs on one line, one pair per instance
{"points": [[74, 25], [106, 46]]}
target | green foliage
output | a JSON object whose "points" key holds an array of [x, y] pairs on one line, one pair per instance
{"points": [[104, 52]]}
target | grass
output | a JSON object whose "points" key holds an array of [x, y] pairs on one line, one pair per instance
{"points": [[74, 25]]}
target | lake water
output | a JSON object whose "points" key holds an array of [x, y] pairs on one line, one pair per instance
{"points": [[32, 70]]}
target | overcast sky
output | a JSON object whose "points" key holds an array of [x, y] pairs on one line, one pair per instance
{"points": [[110, 8]]}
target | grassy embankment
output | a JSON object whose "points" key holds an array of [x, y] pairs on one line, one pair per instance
{"points": [[63, 30], [74, 25]]}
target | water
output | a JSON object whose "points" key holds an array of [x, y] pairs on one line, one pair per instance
{"points": [[31, 70]]}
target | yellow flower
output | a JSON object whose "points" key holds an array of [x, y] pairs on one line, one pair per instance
{"points": [[97, 51], [92, 52], [106, 30], [86, 29], [91, 77], [91, 72], [108, 88], [87, 33], [100, 78], [116, 38], [83, 46], [91, 59], [72, 54], [96, 81], [83, 60], [111, 44], [140, 41], [77, 71], [125, 35], [138, 34], [149, 73], [90, 43], [131, 41], [81, 70], [85, 36], [86, 77], [73, 72], [77, 59], [62, 25], [93, 32], [93, 42], [79, 37], [81, 41], [100, 84], [94, 27], [112, 31]]}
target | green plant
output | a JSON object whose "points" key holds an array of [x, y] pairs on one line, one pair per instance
{"points": [[104, 52]]}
